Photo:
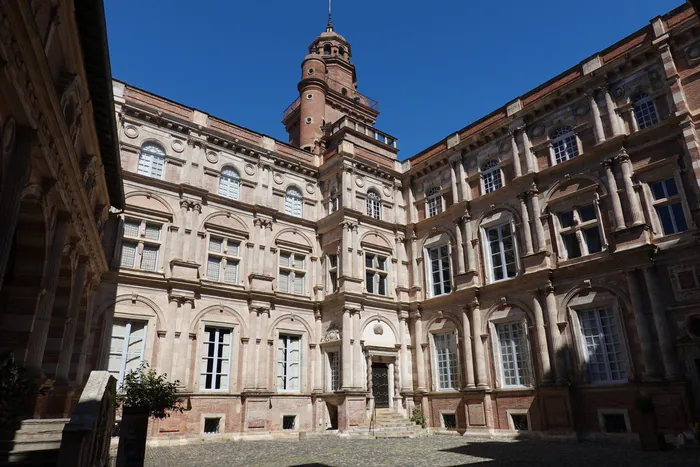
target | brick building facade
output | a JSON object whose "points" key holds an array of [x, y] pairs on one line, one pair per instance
{"points": [[537, 270]]}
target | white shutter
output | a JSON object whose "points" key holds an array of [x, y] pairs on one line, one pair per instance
{"points": [[213, 266], [231, 272], [134, 352], [225, 359], [280, 363], [149, 258], [215, 244], [116, 349], [293, 362], [299, 284], [128, 254], [284, 259], [283, 284]]}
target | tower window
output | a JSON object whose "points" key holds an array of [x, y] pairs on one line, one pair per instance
{"points": [[327, 50], [309, 96], [309, 120], [311, 71]]}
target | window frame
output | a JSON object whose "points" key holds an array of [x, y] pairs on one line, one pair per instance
{"points": [[332, 272], [433, 202], [578, 227], [125, 346], [300, 338], [488, 254], [203, 371], [330, 380], [644, 110], [142, 242], [224, 257], [668, 201], [377, 274], [453, 357], [528, 369], [374, 204], [293, 200], [293, 271], [234, 181], [152, 155], [495, 171], [333, 202], [429, 271], [564, 143]]}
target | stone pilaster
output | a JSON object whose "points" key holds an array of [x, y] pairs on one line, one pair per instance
{"points": [[460, 246], [346, 350], [614, 195], [74, 301], [517, 167], [478, 343], [597, 121], [615, 122], [530, 162], [468, 359], [555, 335], [651, 368], [541, 347], [539, 228], [526, 227], [635, 205], [420, 358]]}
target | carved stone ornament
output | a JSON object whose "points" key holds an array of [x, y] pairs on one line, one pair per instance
{"points": [[131, 131], [249, 169], [378, 329], [619, 92], [359, 182], [310, 188], [445, 175], [504, 146], [212, 157], [387, 191], [177, 145], [582, 109], [332, 334], [537, 130], [471, 162], [9, 132], [277, 177]]}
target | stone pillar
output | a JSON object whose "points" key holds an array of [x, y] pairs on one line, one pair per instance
{"points": [[460, 246], [614, 195], [632, 197], [468, 365], [478, 343], [420, 359], [347, 188], [464, 186], [346, 350], [633, 121], [403, 351], [346, 257], [541, 347], [166, 365], [516, 155], [410, 204], [415, 273], [74, 302], [555, 335], [453, 180], [652, 370], [469, 250], [615, 123], [539, 229], [370, 386], [597, 121], [318, 374], [529, 157], [672, 371], [357, 350], [527, 229], [15, 179], [44, 307]]}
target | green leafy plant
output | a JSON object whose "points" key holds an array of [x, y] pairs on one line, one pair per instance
{"points": [[15, 389], [417, 417], [144, 388]]}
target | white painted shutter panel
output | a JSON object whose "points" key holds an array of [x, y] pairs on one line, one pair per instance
{"points": [[225, 360], [213, 268], [116, 348], [134, 353], [293, 360], [128, 255], [280, 363], [299, 284], [284, 281]]}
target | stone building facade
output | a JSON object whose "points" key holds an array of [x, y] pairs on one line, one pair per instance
{"points": [[59, 176], [535, 271]]}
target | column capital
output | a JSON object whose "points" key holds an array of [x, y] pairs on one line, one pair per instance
{"points": [[622, 156], [608, 163], [533, 190], [462, 219], [523, 196]]}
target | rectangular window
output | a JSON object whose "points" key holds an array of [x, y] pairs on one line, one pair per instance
{"points": [[126, 348], [333, 204], [152, 232], [513, 344], [446, 360], [216, 359], [375, 274], [128, 254], [333, 273], [223, 260], [145, 239], [579, 230], [603, 346], [289, 422], [211, 425], [334, 362], [502, 252], [291, 273], [449, 421], [131, 228], [440, 276], [149, 258], [667, 203], [288, 363]]}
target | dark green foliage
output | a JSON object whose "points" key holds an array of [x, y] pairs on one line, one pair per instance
{"points": [[417, 417], [145, 388]]}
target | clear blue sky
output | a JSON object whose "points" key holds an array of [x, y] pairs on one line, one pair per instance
{"points": [[434, 66]]}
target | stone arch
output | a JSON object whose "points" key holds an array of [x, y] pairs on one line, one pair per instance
{"points": [[134, 298], [560, 184], [229, 215], [153, 140], [437, 231], [292, 317], [438, 317], [493, 209], [224, 308], [378, 317], [388, 244], [155, 196], [293, 231], [563, 307], [509, 303]]}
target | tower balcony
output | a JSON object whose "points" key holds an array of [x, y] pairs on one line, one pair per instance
{"points": [[363, 129]]}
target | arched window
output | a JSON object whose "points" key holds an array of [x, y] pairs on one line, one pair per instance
{"points": [[230, 183], [434, 201], [491, 176], [327, 50], [644, 111], [374, 204], [293, 201], [564, 144], [151, 160]]}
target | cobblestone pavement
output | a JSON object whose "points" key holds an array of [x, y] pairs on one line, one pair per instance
{"points": [[433, 451]]}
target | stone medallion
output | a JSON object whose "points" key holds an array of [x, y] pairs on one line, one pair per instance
{"points": [[249, 169], [131, 131], [212, 157], [177, 145]]}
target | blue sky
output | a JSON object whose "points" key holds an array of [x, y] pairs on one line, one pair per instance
{"points": [[434, 66]]}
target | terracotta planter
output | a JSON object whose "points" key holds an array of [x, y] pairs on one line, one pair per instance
{"points": [[133, 430]]}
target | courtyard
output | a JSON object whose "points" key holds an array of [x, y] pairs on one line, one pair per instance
{"points": [[433, 451]]}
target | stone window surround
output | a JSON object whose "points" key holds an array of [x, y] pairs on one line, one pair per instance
{"points": [[549, 142], [435, 380], [442, 419], [376, 252], [611, 411], [330, 287], [296, 416], [285, 247], [581, 198], [596, 299], [510, 315], [144, 219], [494, 220], [200, 356], [655, 172], [434, 242], [304, 356], [225, 255], [628, 107], [222, 423], [440, 199], [235, 352], [525, 412], [327, 348], [227, 234], [499, 168]]}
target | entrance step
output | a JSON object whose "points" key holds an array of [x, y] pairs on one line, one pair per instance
{"points": [[36, 443]]}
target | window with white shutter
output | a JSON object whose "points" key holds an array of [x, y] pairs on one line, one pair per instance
{"points": [[140, 245], [151, 160], [223, 259], [216, 359], [288, 363], [230, 183], [293, 201], [291, 273], [440, 270], [446, 360], [126, 348], [514, 354], [604, 348]]}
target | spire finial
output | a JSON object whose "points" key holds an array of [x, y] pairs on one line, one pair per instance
{"points": [[329, 26]]}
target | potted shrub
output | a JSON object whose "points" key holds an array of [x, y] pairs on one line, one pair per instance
{"points": [[16, 392], [143, 394], [417, 417], [649, 436]]}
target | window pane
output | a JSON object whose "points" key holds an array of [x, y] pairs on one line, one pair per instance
{"points": [[664, 213], [571, 244], [149, 258], [128, 255], [333, 260], [514, 354], [592, 236], [299, 284], [587, 213], [131, 228], [381, 263], [369, 282], [369, 261], [283, 284], [284, 259], [671, 188], [213, 267], [233, 248], [216, 244], [566, 219], [658, 190], [334, 362], [231, 272], [446, 360], [152, 231], [679, 217], [299, 261], [604, 352], [382, 285]]}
